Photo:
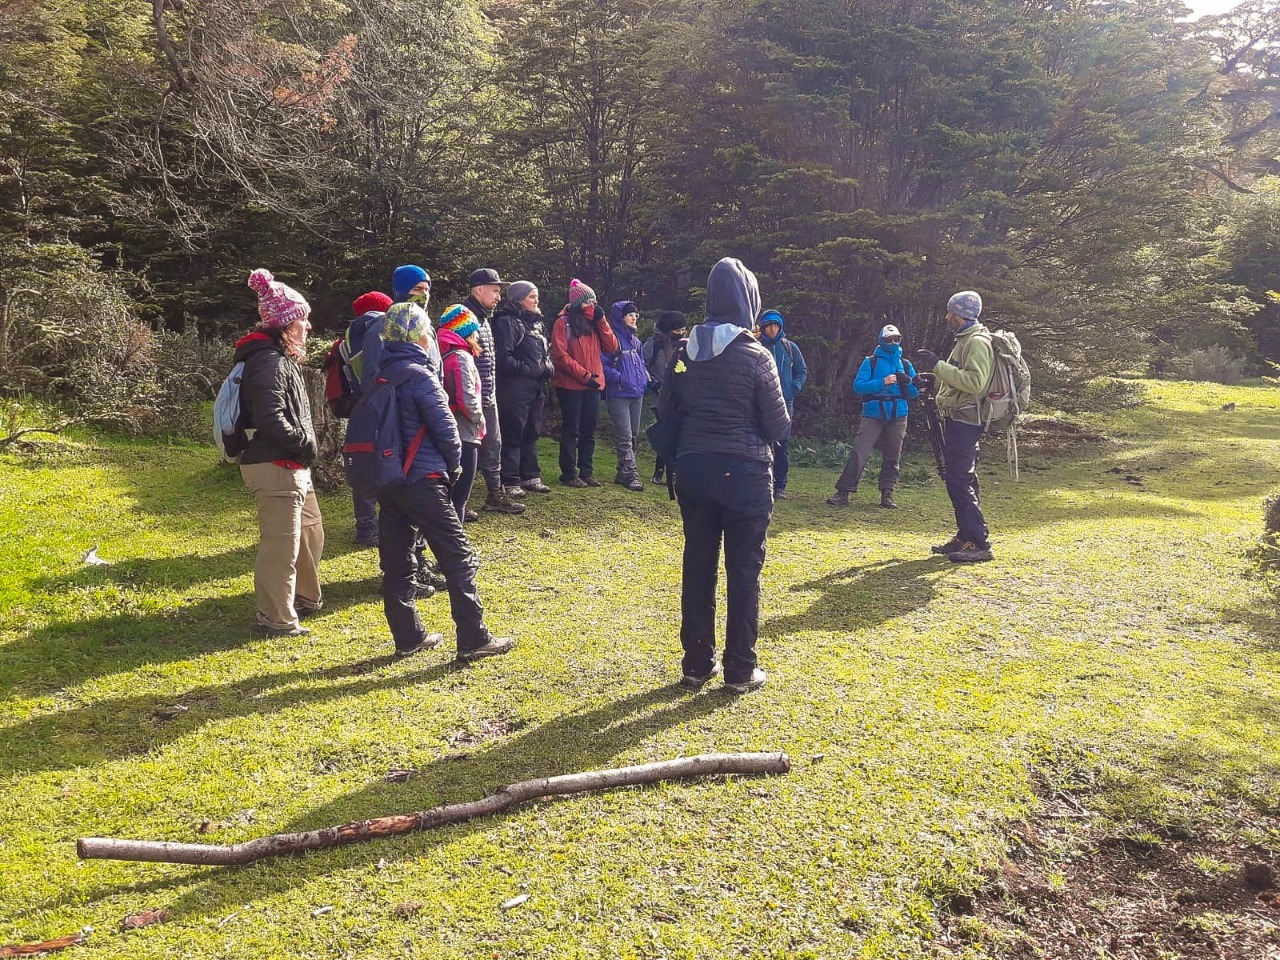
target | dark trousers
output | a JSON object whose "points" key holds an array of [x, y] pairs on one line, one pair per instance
{"points": [[579, 410], [424, 507], [520, 406], [872, 432], [491, 446], [730, 500], [366, 510], [782, 458], [960, 453], [461, 491]]}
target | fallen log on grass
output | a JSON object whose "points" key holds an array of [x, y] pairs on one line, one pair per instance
{"points": [[237, 854]]}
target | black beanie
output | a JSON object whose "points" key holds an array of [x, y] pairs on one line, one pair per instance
{"points": [[670, 320]]}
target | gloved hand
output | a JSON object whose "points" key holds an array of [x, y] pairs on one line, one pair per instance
{"points": [[593, 383], [926, 359], [455, 474], [654, 386], [924, 382], [903, 379]]}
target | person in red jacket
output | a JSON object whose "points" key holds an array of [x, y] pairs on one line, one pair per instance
{"points": [[581, 334]]}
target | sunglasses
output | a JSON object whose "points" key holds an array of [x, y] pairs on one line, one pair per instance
{"points": [[892, 339]]}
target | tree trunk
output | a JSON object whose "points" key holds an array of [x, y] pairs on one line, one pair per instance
{"points": [[159, 851]]}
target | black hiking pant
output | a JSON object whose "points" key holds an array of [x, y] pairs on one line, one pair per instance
{"points": [[425, 507], [520, 404], [579, 412], [960, 454], [729, 500]]}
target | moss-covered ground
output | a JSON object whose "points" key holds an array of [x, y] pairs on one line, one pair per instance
{"points": [[1118, 641]]}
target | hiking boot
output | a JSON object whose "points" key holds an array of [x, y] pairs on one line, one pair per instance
{"points": [[429, 575], [516, 491], [591, 482], [970, 552], [886, 500], [535, 486], [780, 493], [497, 503], [469, 515], [496, 647], [659, 478], [370, 540], [575, 482], [429, 642], [754, 682], [838, 499], [948, 548], [423, 591], [306, 613], [695, 681], [262, 630], [635, 484]]}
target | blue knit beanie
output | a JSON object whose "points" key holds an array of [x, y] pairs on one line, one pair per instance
{"points": [[965, 304], [406, 278]]}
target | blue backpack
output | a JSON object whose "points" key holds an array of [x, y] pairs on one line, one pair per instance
{"points": [[228, 420], [374, 457]]}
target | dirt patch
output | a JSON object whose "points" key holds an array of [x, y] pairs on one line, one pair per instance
{"points": [[1052, 435], [1069, 891]]}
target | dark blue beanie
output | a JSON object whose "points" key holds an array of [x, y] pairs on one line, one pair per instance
{"points": [[405, 279]]}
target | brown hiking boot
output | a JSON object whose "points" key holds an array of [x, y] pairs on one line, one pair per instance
{"points": [[948, 548], [886, 500], [838, 499], [497, 503], [970, 552]]}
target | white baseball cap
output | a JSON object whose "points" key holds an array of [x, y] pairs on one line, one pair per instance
{"points": [[889, 330]]}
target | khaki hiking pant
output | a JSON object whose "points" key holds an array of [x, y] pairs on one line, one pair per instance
{"points": [[286, 577]]}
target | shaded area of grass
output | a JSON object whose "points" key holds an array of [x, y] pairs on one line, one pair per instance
{"points": [[1117, 644]]}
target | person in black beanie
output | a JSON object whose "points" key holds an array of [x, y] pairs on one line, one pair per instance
{"points": [[659, 354]]}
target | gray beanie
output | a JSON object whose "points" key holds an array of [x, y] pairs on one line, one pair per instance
{"points": [[966, 304], [519, 290]]}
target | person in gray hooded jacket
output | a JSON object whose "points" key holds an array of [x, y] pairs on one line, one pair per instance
{"points": [[725, 396]]}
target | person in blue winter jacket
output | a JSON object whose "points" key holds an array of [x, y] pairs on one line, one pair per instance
{"points": [[793, 373], [422, 505], [625, 382], [885, 384]]}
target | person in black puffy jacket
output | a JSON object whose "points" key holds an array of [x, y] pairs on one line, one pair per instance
{"points": [[724, 393], [423, 505], [276, 462], [523, 360]]}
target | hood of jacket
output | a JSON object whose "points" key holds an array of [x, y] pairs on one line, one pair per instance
{"points": [[733, 302], [626, 336], [402, 351], [253, 342], [449, 340], [772, 316]]}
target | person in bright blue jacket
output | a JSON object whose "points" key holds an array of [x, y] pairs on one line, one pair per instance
{"points": [[792, 372], [422, 506], [885, 384]]}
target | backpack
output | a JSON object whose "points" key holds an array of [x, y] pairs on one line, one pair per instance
{"points": [[229, 432], [374, 456], [1009, 393], [339, 384]]}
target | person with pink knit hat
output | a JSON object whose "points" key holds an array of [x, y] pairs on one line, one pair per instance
{"points": [[580, 336], [276, 463]]}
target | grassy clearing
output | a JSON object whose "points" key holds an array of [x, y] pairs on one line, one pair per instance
{"points": [[1118, 641]]}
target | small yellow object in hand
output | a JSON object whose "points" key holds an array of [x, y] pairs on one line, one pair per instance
{"points": [[680, 367]]}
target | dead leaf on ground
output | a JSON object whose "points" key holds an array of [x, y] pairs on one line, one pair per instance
{"points": [[407, 909], [47, 946], [398, 776], [144, 919]]}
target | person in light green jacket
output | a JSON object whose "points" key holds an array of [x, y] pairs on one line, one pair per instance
{"points": [[962, 383]]}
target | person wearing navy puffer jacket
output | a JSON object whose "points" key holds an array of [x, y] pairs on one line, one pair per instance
{"points": [[885, 382], [422, 505], [625, 382]]}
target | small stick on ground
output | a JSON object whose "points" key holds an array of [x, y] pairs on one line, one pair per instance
{"points": [[159, 851]]}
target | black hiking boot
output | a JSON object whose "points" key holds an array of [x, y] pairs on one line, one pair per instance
{"points": [[970, 552], [695, 681], [886, 500], [839, 499], [948, 548]]}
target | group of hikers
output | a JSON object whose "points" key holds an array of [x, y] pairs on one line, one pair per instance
{"points": [[469, 395]]}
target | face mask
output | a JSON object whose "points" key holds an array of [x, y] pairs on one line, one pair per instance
{"points": [[420, 299], [589, 311]]}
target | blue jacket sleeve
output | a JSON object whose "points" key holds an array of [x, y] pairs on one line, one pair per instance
{"points": [[799, 369], [612, 363], [433, 408], [863, 383], [912, 391]]}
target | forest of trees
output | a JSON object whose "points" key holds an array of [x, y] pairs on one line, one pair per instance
{"points": [[1107, 174]]}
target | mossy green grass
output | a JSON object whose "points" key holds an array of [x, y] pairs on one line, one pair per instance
{"points": [[1118, 641]]}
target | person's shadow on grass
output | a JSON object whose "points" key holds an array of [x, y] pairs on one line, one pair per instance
{"points": [[863, 596], [575, 742]]}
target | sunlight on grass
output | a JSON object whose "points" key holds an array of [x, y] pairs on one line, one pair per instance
{"points": [[1118, 641]]}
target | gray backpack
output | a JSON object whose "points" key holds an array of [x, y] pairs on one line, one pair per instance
{"points": [[1009, 393]]}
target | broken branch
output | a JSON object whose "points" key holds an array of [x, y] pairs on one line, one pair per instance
{"points": [[251, 851]]}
